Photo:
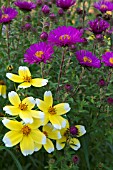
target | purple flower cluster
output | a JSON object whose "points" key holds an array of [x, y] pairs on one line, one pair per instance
{"points": [[104, 6], [65, 4], [7, 14], [24, 5]]}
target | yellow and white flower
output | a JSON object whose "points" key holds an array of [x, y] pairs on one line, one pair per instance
{"points": [[66, 134], [25, 78], [50, 133], [53, 113], [25, 134], [22, 108], [2, 89]]}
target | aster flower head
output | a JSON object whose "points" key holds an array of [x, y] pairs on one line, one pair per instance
{"points": [[25, 134], [65, 4], [70, 139], [45, 9], [65, 36], [104, 6], [23, 108], [87, 58], [50, 133], [99, 25], [24, 5], [25, 78], [53, 113], [39, 52], [2, 89], [7, 14], [107, 59]]}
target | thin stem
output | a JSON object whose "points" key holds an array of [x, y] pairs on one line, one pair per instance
{"points": [[8, 40]]}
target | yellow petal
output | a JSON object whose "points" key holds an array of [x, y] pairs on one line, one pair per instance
{"points": [[38, 136], [14, 98], [48, 99], [37, 146], [14, 77], [60, 143], [36, 124], [39, 82], [3, 91], [62, 121], [29, 101], [26, 116], [81, 130], [12, 138], [37, 114], [11, 110], [24, 71], [42, 105], [48, 128], [49, 147], [27, 145], [12, 125], [62, 108], [24, 85], [74, 144], [55, 122]]}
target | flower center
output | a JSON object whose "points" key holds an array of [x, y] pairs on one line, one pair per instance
{"points": [[26, 130], [27, 79], [39, 54], [73, 130], [86, 59], [111, 60], [5, 16], [23, 106], [2, 82], [64, 37], [45, 133], [103, 6], [52, 110]]}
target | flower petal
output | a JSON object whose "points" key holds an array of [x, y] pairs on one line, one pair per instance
{"points": [[37, 146], [27, 145], [48, 98], [39, 82], [37, 114], [49, 147], [3, 91], [81, 130], [26, 116], [11, 110], [62, 108], [55, 122], [38, 136], [24, 85], [62, 121], [74, 144], [24, 71], [42, 105], [12, 138], [36, 123], [14, 98], [54, 135], [60, 143], [14, 77], [29, 101], [12, 125]]}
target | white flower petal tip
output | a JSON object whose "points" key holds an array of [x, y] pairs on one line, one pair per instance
{"points": [[7, 141], [58, 146], [5, 121], [9, 75], [59, 135], [27, 152], [12, 94], [44, 140], [56, 126], [41, 115], [37, 102], [44, 82], [64, 123], [23, 68], [48, 93], [32, 100], [76, 147], [27, 120], [7, 110], [67, 107], [50, 150], [4, 96]]}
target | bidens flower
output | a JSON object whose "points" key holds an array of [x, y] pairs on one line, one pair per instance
{"points": [[69, 136], [53, 113], [22, 108], [50, 133], [2, 89], [25, 78], [25, 134]]}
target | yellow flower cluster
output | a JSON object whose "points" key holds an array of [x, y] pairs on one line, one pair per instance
{"points": [[48, 117]]}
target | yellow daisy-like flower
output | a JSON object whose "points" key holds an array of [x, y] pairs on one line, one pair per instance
{"points": [[22, 108], [69, 136], [25, 78], [2, 89], [25, 134], [50, 133], [53, 113]]}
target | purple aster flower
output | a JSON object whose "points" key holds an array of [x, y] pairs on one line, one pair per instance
{"points": [[65, 36], [45, 9], [97, 26], [107, 58], [104, 5], [75, 159], [73, 130], [65, 4], [110, 100], [7, 14], [87, 58], [39, 52], [24, 5], [102, 83]]}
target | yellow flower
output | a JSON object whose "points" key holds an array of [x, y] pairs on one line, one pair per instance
{"points": [[25, 78], [50, 133], [53, 113], [25, 134], [22, 108], [70, 139], [2, 89]]}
